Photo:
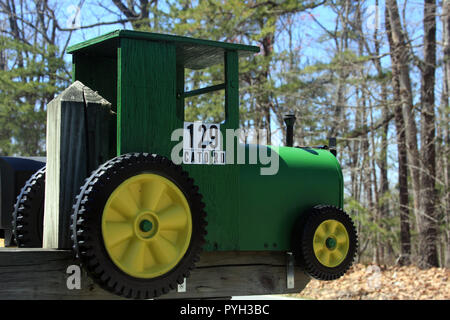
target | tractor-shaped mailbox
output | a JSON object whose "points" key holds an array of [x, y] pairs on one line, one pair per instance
{"points": [[142, 218]]}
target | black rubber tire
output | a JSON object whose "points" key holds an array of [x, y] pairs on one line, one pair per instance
{"points": [[88, 244], [28, 213], [303, 249]]}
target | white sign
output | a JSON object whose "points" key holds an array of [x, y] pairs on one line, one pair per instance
{"points": [[202, 143]]}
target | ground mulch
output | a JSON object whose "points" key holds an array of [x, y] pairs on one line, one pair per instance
{"points": [[383, 283]]}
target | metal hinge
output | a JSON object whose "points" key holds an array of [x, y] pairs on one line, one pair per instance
{"points": [[290, 280], [182, 287]]}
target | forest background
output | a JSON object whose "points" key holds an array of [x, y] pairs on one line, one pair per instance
{"points": [[374, 74]]}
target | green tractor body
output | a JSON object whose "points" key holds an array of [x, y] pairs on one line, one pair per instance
{"points": [[269, 205], [142, 75]]}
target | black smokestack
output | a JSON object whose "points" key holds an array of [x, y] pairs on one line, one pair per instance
{"points": [[289, 120]]}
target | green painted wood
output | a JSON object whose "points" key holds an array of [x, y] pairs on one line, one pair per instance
{"points": [[103, 45], [98, 72], [147, 97], [200, 91], [219, 187], [147, 116], [191, 53], [232, 90], [219, 184], [306, 177], [101, 130], [179, 89]]}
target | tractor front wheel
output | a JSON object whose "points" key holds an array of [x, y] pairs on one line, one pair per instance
{"points": [[328, 242], [138, 225]]}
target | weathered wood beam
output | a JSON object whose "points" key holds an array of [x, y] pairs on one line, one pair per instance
{"points": [[200, 91], [42, 274]]}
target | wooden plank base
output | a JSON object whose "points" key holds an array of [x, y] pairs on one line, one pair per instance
{"points": [[42, 274]]}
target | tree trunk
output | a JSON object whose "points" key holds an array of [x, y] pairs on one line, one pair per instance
{"points": [[429, 227], [405, 235], [445, 127], [383, 204], [400, 51], [267, 43]]}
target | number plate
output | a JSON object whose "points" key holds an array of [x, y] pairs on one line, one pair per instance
{"points": [[202, 144]]}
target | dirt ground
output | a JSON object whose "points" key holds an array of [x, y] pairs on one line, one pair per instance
{"points": [[383, 283]]}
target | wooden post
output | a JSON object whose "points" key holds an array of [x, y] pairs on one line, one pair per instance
{"points": [[79, 124]]}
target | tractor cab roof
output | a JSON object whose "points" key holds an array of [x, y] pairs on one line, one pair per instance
{"points": [[191, 53]]}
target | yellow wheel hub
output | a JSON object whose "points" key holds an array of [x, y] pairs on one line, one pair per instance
{"points": [[331, 243], [146, 225]]}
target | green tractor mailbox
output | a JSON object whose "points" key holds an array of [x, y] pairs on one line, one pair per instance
{"points": [[142, 218]]}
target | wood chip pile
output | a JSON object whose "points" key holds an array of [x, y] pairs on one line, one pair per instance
{"points": [[383, 283]]}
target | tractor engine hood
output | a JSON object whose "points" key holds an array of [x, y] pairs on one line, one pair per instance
{"points": [[306, 177]]}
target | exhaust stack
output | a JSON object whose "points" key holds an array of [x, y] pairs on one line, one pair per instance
{"points": [[289, 120], [332, 145]]}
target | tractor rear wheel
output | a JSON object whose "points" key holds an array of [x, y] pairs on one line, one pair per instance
{"points": [[28, 214], [138, 225], [328, 243]]}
